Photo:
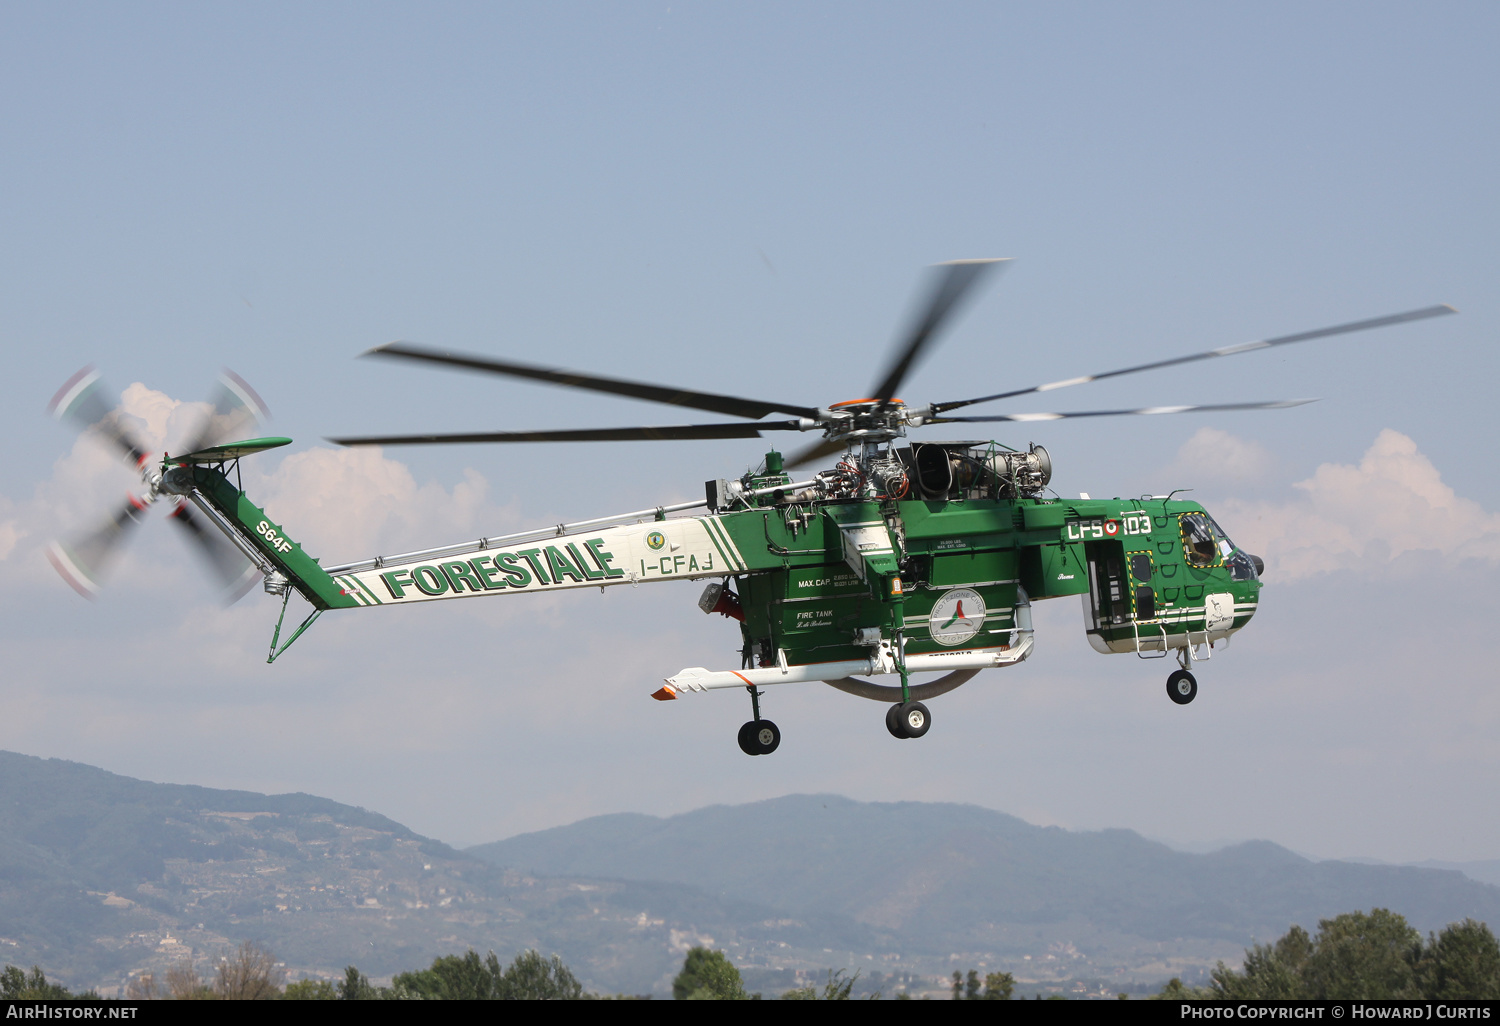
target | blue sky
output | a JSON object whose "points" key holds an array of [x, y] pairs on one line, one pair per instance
{"points": [[741, 198]]}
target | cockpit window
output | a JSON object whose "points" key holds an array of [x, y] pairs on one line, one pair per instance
{"points": [[1241, 567], [1208, 545], [1198, 538]]}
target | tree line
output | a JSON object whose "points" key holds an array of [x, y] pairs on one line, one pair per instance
{"points": [[250, 973], [1358, 956]]}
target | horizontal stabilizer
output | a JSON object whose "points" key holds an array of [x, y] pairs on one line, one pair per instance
{"points": [[232, 450]]}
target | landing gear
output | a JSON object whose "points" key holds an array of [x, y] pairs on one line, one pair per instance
{"points": [[759, 737], [908, 719], [1182, 687], [893, 721]]}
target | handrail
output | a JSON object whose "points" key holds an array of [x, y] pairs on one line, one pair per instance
{"points": [[555, 531]]}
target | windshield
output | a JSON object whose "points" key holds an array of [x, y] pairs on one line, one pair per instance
{"points": [[1206, 544]]}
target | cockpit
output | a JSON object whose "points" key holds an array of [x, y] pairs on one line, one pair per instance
{"points": [[1207, 545]]}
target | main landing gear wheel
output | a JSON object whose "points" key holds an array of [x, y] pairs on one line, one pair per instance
{"points": [[915, 719], [1182, 687], [759, 737], [893, 722], [909, 719]]}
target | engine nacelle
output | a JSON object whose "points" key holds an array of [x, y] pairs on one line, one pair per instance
{"points": [[1023, 473]]}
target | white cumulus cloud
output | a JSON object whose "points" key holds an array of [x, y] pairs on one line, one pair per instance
{"points": [[346, 504], [1363, 517], [1217, 455]]}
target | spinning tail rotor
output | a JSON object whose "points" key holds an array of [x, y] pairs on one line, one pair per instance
{"points": [[85, 560]]}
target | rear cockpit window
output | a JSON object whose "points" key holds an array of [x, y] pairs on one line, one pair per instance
{"points": [[1199, 541], [1206, 544]]}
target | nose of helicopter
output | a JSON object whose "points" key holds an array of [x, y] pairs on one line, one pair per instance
{"points": [[1260, 565]]}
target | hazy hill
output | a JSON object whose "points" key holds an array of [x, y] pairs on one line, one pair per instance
{"points": [[959, 877], [102, 876]]}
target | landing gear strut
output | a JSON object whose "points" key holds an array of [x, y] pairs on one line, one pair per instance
{"points": [[758, 736], [907, 719]]}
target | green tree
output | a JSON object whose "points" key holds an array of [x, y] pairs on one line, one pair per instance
{"points": [[16, 985], [1370, 957], [465, 977], [356, 986], [1355, 955], [1462, 962], [998, 986], [534, 978], [708, 975], [1176, 990], [1271, 972], [310, 990]]}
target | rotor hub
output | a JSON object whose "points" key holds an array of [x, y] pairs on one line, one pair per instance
{"points": [[866, 420]]}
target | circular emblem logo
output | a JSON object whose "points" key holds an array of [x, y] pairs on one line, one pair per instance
{"points": [[656, 539], [956, 617], [1111, 527]]}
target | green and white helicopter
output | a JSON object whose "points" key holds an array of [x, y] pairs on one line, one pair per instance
{"points": [[902, 559]]}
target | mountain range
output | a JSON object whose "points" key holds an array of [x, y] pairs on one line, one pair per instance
{"points": [[103, 876]]}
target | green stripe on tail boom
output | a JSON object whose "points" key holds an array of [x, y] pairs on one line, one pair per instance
{"points": [[304, 573]]}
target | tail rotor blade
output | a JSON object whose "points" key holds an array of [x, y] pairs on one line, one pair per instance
{"points": [[81, 403], [234, 573], [85, 562], [237, 411]]}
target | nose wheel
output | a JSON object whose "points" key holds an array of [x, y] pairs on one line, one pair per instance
{"points": [[907, 719], [1182, 687]]}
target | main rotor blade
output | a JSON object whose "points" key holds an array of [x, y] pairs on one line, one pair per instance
{"points": [[1145, 411], [234, 573], [80, 402], [237, 411], [951, 282], [673, 432], [1244, 347], [85, 562], [732, 405], [813, 453]]}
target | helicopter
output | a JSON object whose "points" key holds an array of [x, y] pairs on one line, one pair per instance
{"points": [[903, 558]]}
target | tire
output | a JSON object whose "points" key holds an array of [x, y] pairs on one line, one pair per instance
{"points": [[747, 743], [893, 722], [915, 719], [1182, 687], [764, 737]]}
